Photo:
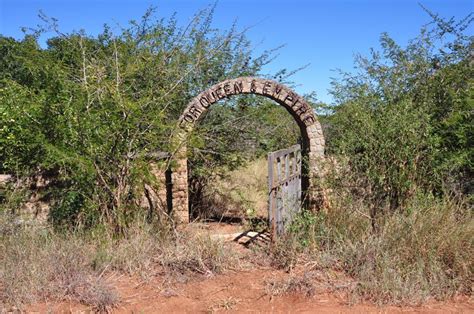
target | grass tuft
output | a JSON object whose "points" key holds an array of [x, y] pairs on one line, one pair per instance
{"points": [[40, 265], [423, 252], [294, 284]]}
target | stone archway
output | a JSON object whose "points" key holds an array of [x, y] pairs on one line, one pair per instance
{"points": [[303, 114]]}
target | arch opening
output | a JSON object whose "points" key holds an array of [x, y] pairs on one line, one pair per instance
{"points": [[299, 109]]}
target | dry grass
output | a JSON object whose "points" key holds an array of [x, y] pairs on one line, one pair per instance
{"points": [[225, 304], [298, 284], [40, 265], [199, 254], [424, 252], [242, 191]]}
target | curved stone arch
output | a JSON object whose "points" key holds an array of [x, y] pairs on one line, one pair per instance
{"points": [[301, 111]]}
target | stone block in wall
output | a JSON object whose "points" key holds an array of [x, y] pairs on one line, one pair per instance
{"points": [[34, 209], [157, 193]]}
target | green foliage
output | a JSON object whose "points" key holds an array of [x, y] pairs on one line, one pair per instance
{"points": [[307, 228], [86, 110], [67, 208], [241, 129], [232, 135], [404, 121]]}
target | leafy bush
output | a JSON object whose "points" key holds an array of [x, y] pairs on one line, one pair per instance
{"points": [[403, 122], [87, 110], [399, 172]]}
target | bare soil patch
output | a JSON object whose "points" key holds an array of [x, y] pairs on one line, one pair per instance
{"points": [[239, 291]]}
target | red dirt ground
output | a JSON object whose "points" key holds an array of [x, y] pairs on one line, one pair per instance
{"points": [[240, 291]]}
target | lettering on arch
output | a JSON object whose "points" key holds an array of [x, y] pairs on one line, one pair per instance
{"points": [[296, 105]]}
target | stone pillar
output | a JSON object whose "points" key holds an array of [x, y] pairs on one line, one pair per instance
{"points": [[316, 148], [180, 202], [317, 198], [180, 189]]}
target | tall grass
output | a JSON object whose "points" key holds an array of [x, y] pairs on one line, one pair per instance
{"points": [[242, 192], [421, 252], [427, 251], [39, 265]]}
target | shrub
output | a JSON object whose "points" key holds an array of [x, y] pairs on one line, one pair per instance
{"points": [[402, 123], [88, 109]]}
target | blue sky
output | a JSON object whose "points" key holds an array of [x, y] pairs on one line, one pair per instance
{"points": [[325, 34]]}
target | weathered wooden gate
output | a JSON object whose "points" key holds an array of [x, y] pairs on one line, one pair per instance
{"points": [[284, 185]]}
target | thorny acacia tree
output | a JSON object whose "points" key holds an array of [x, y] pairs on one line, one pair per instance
{"points": [[403, 123], [85, 110]]}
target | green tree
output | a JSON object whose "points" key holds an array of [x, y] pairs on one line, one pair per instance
{"points": [[85, 110], [403, 122]]}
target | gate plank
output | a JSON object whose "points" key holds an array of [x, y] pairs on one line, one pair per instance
{"points": [[284, 188]]}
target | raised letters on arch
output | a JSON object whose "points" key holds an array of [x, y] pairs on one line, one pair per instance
{"points": [[295, 104]]}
